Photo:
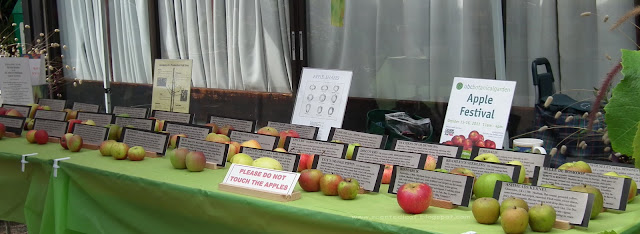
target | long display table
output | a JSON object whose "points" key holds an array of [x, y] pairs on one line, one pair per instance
{"points": [[96, 194]]}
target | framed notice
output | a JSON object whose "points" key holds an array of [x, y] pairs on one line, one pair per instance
{"points": [[191, 130], [322, 99], [173, 116], [265, 141], [449, 187], [100, 119], [172, 85], [38, 73], [144, 124], [133, 112], [364, 139], [50, 114], [86, 107], [53, 127], [529, 160], [13, 124], [369, 175], [380, 156], [244, 125], [434, 150], [307, 132], [149, 140], [479, 167], [15, 81], [215, 153], [480, 105], [306, 146], [25, 111], [54, 104], [601, 167], [288, 161], [93, 135]]}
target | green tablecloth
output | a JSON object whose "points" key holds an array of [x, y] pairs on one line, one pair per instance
{"points": [[95, 194]]}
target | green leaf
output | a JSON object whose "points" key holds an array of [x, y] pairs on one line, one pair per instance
{"points": [[623, 110]]}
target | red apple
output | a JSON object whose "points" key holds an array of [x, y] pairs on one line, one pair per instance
{"points": [[304, 162], [480, 138], [74, 143], [3, 129], [310, 161], [178, 157], [329, 184], [348, 189], [31, 136], [414, 198], [467, 144], [65, 139], [489, 144], [41, 136], [119, 150], [285, 134], [458, 140], [447, 143], [224, 130], [386, 176], [480, 144], [310, 180], [13, 112], [173, 142], [3, 111], [214, 127], [105, 147], [72, 122], [268, 131], [430, 163], [136, 153], [195, 161], [473, 135]]}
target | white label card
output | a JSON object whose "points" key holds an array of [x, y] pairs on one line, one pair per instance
{"points": [[266, 141], [149, 140], [364, 139], [15, 81], [600, 167], [570, 206], [24, 110], [13, 124], [98, 118], [306, 146], [144, 124], [55, 104], [380, 156], [306, 132], [214, 152], [54, 128], [172, 116], [449, 187], [615, 190], [288, 161], [435, 150], [369, 175], [93, 135], [529, 160], [133, 112], [86, 107], [237, 124], [191, 130], [51, 115], [479, 167], [278, 182]]}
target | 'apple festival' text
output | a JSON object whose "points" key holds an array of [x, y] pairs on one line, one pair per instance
{"points": [[478, 112]]}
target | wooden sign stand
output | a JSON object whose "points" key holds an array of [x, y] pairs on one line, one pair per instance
{"points": [[442, 204], [11, 135], [90, 146], [150, 154], [54, 140], [260, 194], [562, 225], [211, 166]]}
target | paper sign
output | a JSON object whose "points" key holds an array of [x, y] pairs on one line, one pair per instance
{"points": [[306, 132], [237, 124], [434, 150], [322, 99], [570, 206], [99, 118], [214, 152], [149, 140], [481, 105], [13, 124], [172, 85], [306, 146], [133, 112], [191, 130], [266, 141], [54, 104], [93, 135], [369, 175], [479, 167], [54, 128], [529, 160], [601, 167], [15, 81], [449, 187], [288, 161], [278, 182], [615, 190], [86, 107], [380, 156], [51, 115], [24, 110], [144, 124], [172, 116], [364, 139], [36, 66]]}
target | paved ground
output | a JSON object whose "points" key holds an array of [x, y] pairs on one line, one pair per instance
{"points": [[16, 228]]}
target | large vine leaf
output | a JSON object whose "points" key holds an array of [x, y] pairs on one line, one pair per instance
{"points": [[623, 110]]}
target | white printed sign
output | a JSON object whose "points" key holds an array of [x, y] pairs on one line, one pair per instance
{"points": [[278, 182], [15, 81]]}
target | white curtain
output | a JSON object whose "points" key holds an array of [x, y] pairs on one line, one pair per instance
{"points": [[575, 45], [408, 50], [81, 30], [234, 44], [130, 47]]}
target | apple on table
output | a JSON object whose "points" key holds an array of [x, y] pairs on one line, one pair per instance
{"points": [[633, 189], [310, 180], [414, 198], [329, 184], [486, 210], [268, 163], [270, 131], [598, 202], [514, 220], [542, 217], [348, 189], [579, 166]]}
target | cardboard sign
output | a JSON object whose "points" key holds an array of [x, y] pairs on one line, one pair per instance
{"points": [[369, 175], [601, 167], [38, 72], [364, 139], [237, 124], [322, 99], [615, 190], [144, 124], [306, 132], [278, 182], [434, 150], [380, 156], [54, 128], [93, 135], [288, 161], [99, 118], [306, 146], [55, 104], [172, 85], [479, 167], [480, 105], [133, 112], [51, 115], [529, 160], [149, 140], [86, 107], [215, 153], [24, 110], [191, 130], [172, 116], [16, 81], [449, 187], [13, 124], [570, 206], [266, 141]]}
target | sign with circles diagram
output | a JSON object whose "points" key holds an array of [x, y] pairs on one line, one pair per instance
{"points": [[322, 99]]}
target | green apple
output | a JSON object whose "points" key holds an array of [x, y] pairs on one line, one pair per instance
{"points": [[350, 150], [523, 172], [486, 183], [486, 210], [513, 201], [551, 186], [578, 166], [598, 202], [113, 131], [348, 189], [633, 189], [487, 157], [514, 220], [266, 162], [441, 170], [242, 159], [178, 157], [542, 217]]}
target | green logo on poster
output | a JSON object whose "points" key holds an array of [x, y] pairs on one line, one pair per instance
{"points": [[459, 86]]}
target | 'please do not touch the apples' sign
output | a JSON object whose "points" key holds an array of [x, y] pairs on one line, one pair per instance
{"points": [[266, 180]]}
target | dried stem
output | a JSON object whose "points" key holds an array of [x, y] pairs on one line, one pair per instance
{"points": [[601, 92]]}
